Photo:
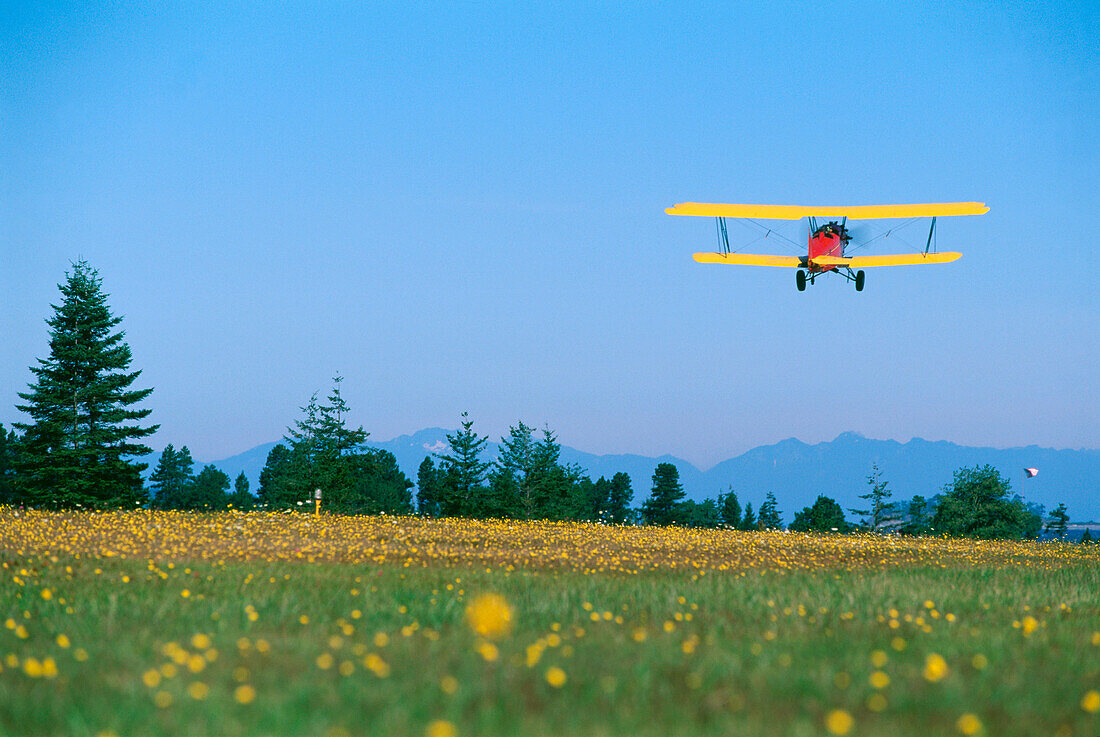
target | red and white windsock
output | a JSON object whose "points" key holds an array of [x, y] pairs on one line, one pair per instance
{"points": [[1031, 472]]}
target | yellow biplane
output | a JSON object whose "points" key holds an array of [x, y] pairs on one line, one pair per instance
{"points": [[828, 241]]}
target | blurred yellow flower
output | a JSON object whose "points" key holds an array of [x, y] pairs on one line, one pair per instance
{"points": [[440, 728], [968, 724], [839, 721], [244, 694], [1090, 702], [555, 676], [489, 615], [935, 667]]}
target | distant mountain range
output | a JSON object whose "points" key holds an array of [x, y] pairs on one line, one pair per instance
{"points": [[797, 472]]}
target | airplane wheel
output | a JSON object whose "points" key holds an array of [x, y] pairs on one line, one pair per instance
{"points": [[859, 280], [800, 280]]}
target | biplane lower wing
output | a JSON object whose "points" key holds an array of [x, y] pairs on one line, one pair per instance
{"points": [[796, 212], [904, 259], [748, 259]]}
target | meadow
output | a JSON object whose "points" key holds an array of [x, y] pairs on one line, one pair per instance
{"points": [[170, 623]]}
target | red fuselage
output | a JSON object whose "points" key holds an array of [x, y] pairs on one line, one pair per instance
{"points": [[828, 240]]}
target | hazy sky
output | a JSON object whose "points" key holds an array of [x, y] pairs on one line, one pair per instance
{"points": [[461, 207]]}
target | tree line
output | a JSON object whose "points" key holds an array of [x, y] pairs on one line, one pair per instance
{"points": [[85, 431]]}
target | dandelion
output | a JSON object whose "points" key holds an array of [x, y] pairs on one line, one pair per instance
{"points": [[838, 721], [879, 680], [968, 724], [555, 676], [198, 690], [1090, 702], [244, 694], [935, 668], [448, 685], [440, 728], [489, 615]]}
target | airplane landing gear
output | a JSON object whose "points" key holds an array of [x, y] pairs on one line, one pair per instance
{"points": [[859, 280], [800, 280]]}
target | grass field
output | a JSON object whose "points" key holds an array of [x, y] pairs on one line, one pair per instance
{"points": [[147, 623]]}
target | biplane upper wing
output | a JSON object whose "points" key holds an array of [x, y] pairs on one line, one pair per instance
{"points": [[747, 259], [904, 259], [858, 212]]}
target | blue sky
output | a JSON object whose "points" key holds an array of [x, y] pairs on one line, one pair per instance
{"points": [[461, 207]]}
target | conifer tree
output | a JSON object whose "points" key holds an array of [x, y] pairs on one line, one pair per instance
{"points": [[879, 512], [824, 516], [171, 477], [729, 509], [275, 490], [619, 498], [208, 491], [428, 488], [8, 446], [768, 518], [662, 507], [84, 426], [241, 498], [1059, 521], [748, 519], [463, 471]]}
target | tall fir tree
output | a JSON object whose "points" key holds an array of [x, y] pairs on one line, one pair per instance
{"points": [[242, 498], [208, 491], [748, 519], [85, 427], [729, 509], [768, 517], [619, 498], [8, 448], [663, 506], [879, 513], [510, 476], [171, 477], [275, 489], [463, 471], [428, 482]]}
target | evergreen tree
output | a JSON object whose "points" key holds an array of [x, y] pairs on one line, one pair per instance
{"points": [[976, 504], [555, 491], [918, 517], [463, 471], [275, 488], [748, 519], [428, 489], [84, 427], [8, 448], [619, 498], [382, 488], [208, 491], [242, 498], [824, 516], [171, 477], [321, 449], [1059, 521], [769, 518], [597, 496], [879, 512], [704, 514], [662, 507], [729, 509], [1087, 537], [510, 481]]}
